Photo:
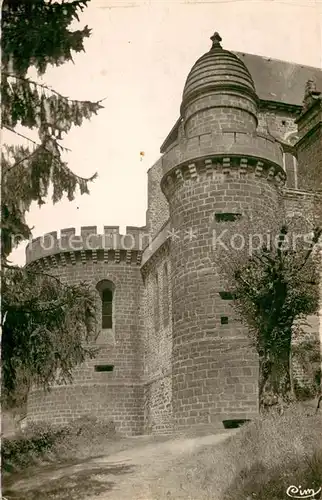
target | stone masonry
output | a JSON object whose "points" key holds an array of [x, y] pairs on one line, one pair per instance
{"points": [[172, 353]]}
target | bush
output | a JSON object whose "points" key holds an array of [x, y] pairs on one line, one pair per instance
{"points": [[44, 442], [261, 483], [259, 462], [275, 453]]}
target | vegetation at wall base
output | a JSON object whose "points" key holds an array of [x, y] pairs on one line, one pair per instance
{"points": [[275, 288], [259, 462]]}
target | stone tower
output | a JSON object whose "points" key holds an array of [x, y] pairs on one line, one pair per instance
{"points": [[218, 167], [108, 386]]}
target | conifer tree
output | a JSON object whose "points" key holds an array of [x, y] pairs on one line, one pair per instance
{"points": [[44, 322]]}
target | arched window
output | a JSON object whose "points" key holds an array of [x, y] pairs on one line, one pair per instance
{"points": [[165, 295], [156, 303], [106, 290]]}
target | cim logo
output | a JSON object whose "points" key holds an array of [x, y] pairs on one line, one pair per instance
{"points": [[297, 492]]}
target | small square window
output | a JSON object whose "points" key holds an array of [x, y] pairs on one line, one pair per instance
{"points": [[224, 320], [226, 295], [104, 368]]}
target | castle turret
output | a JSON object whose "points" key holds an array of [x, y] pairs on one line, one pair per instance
{"points": [[219, 94], [218, 167], [108, 386]]}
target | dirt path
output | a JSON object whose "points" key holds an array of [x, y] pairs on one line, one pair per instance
{"points": [[148, 463], [126, 475]]}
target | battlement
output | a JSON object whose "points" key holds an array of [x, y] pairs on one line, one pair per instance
{"points": [[69, 240], [225, 144]]}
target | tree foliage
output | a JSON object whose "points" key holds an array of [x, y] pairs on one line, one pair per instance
{"points": [[44, 321], [45, 327], [35, 34], [274, 280]]}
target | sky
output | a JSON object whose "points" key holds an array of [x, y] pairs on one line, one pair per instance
{"points": [[138, 58]]}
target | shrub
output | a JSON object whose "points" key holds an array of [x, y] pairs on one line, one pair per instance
{"points": [[43, 442], [278, 453]]}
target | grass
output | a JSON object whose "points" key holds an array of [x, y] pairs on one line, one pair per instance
{"points": [[258, 463]]}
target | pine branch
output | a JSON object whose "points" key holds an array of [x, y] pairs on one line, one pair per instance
{"points": [[37, 84], [5, 171], [20, 309], [30, 271], [10, 129], [65, 167], [46, 87]]}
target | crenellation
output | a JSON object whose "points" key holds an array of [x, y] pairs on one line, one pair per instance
{"points": [[88, 231], [117, 256], [53, 261], [47, 264], [128, 256], [226, 166], [68, 241], [193, 171], [63, 259], [72, 257], [209, 167], [243, 166], [70, 231], [271, 174], [259, 168], [111, 229], [94, 256], [83, 257]]}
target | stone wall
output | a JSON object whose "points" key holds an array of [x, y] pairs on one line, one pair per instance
{"points": [[158, 208], [211, 113], [309, 146], [158, 343], [280, 123], [116, 395]]}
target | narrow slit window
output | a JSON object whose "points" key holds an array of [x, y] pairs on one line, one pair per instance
{"points": [[156, 303], [227, 217], [226, 295], [104, 368], [165, 295], [107, 309]]}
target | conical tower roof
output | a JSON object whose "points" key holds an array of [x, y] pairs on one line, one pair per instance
{"points": [[218, 69]]}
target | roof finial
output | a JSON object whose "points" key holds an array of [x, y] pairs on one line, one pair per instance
{"points": [[216, 39]]}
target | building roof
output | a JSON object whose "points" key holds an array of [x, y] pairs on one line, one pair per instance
{"points": [[217, 69], [276, 81], [280, 81]]}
